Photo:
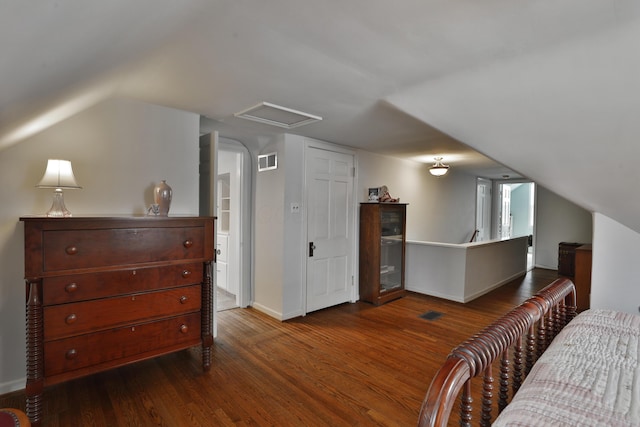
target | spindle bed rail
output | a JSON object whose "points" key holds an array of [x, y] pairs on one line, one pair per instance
{"points": [[511, 345]]}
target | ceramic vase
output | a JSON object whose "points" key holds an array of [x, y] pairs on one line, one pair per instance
{"points": [[162, 197]]}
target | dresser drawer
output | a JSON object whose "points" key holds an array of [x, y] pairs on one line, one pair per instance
{"points": [[65, 320], [77, 249], [80, 287], [92, 349]]}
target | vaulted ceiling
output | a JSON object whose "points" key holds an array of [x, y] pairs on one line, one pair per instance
{"points": [[549, 89]]}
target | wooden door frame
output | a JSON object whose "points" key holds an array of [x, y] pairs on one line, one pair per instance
{"points": [[245, 237], [497, 207]]}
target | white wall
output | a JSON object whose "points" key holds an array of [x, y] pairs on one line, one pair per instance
{"points": [[436, 269], [269, 235], [443, 209], [440, 209], [295, 235], [280, 243], [463, 272], [119, 149], [558, 220], [616, 270]]}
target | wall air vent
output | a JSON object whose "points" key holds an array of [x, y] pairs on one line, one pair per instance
{"points": [[267, 162], [276, 115]]}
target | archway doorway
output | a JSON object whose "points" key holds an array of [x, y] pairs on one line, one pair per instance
{"points": [[233, 238], [515, 213]]}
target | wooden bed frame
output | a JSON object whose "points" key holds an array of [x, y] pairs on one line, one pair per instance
{"points": [[510, 346]]}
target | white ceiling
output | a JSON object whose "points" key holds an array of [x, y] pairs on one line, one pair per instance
{"points": [[549, 88]]}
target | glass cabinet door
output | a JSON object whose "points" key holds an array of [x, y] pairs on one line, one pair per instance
{"points": [[390, 250]]}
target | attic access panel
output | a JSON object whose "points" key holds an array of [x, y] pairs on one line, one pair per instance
{"points": [[276, 115]]}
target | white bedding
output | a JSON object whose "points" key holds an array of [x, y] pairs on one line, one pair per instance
{"points": [[589, 376]]}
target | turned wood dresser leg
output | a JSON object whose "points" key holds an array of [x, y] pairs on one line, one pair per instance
{"points": [[207, 310], [35, 352]]}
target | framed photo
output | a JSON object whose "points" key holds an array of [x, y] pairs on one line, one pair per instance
{"points": [[374, 194]]}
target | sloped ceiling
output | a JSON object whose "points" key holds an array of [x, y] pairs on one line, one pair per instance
{"points": [[547, 88]]}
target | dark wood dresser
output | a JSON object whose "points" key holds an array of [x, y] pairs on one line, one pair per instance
{"points": [[103, 292]]}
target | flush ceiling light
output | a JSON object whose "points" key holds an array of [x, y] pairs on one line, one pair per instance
{"points": [[276, 115], [439, 169]]}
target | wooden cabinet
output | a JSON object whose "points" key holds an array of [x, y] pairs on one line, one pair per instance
{"points": [[582, 278], [382, 251], [105, 292], [567, 258]]}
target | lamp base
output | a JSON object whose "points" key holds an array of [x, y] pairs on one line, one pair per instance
{"points": [[58, 209]]}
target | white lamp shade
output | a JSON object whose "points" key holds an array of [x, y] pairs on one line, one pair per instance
{"points": [[59, 174], [439, 169]]}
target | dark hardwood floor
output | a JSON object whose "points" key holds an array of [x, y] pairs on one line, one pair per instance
{"points": [[354, 364]]}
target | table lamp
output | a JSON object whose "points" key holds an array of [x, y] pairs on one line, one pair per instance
{"points": [[59, 176]]}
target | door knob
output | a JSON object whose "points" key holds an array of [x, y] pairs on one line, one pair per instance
{"points": [[311, 248]]}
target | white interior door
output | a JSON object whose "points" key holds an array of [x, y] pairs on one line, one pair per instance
{"points": [[234, 222], [483, 210], [329, 228], [504, 227]]}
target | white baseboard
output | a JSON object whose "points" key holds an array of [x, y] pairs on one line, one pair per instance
{"points": [[15, 385], [419, 290], [471, 297], [466, 298], [546, 267], [267, 311]]}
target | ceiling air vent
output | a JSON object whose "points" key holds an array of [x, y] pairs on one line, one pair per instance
{"points": [[276, 115]]}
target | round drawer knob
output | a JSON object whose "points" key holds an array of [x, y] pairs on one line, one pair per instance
{"points": [[186, 273], [183, 299], [188, 243], [184, 329], [71, 288], [71, 250], [71, 354], [71, 319]]}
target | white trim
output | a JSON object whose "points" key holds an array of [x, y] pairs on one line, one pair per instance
{"points": [[306, 118], [267, 311], [268, 167], [11, 386], [246, 283]]}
